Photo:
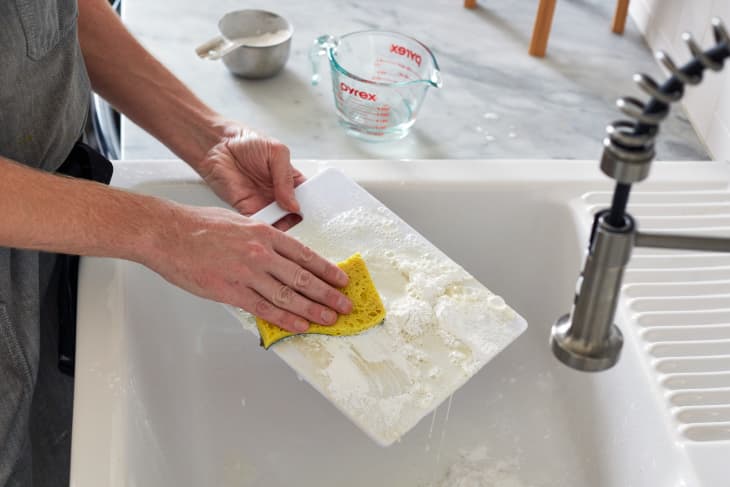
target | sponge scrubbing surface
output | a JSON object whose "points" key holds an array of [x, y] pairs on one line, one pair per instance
{"points": [[367, 309]]}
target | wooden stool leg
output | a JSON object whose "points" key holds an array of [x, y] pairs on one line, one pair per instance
{"points": [[541, 30], [470, 3], [619, 17]]}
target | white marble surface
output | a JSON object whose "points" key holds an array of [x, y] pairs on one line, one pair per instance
{"points": [[496, 102]]}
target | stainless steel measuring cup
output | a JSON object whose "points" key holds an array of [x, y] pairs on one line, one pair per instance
{"points": [[252, 44], [379, 80]]}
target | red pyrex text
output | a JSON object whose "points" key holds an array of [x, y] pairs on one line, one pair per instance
{"points": [[406, 52], [362, 94]]}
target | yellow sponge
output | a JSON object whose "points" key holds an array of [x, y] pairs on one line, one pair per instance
{"points": [[367, 309]]}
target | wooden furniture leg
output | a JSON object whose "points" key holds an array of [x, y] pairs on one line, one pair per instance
{"points": [[619, 17], [470, 3], [541, 30]]}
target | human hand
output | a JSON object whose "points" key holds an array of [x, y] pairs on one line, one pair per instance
{"points": [[248, 171], [218, 254]]}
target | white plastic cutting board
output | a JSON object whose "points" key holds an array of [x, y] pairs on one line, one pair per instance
{"points": [[441, 325]]}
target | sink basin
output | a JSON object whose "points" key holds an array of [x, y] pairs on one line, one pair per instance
{"points": [[171, 390]]}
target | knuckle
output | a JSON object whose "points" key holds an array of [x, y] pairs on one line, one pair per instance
{"points": [[279, 238], [258, 251], [263, 307], [302, 278], [283, 296], [314, 312], [330, 272], [279, 149], [201, 281], [306, 254], [332, 297]]}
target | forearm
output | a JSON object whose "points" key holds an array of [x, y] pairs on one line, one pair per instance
{"points": [[43, 211], [139, 86]]}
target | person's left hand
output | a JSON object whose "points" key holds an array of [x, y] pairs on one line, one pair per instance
{"points": [[248, 171]]}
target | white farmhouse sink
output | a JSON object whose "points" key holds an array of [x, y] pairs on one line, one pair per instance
{"points": [[171, 391]]}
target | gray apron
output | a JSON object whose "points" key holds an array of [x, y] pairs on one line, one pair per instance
{"points": [[44, 99]]}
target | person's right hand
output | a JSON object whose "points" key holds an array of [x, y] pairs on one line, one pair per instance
{"points": [[218, 254]]}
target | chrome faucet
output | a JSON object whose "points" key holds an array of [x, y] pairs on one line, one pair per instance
{"points": [[587, 339]]}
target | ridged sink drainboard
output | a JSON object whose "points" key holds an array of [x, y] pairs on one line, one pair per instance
{"points": [[678, 304]]}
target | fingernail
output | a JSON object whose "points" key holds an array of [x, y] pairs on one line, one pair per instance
{"points": [[328, 316], [344, 305], [343, 278], [301, 325]]}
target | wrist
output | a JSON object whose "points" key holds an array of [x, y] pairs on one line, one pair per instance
{"points": [[213, 133], [157, 225]]}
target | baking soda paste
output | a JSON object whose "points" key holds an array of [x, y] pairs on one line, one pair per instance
{"points": [[441, 325]]}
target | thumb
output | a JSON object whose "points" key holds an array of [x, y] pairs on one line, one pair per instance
{"points": [[282, 177]]}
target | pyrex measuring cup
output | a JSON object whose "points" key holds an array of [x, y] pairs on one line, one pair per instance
{"points": [[379, 80]]}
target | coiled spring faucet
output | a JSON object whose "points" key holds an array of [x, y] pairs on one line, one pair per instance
{"points": [[587, 339]]}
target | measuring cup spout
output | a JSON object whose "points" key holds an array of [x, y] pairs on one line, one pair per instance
{"points": [[322, 44], [435, 79]]}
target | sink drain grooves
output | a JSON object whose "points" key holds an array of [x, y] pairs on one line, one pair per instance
{"points": [[694, 260], [677, 290], [700, 397], [716, 433], [681, 365], [703, 414], [676, 275], [690, 333], [691, 381], [682, 318], [700, 348], [678, 305], [695, 303]]}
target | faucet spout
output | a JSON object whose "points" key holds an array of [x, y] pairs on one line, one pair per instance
{"points": [[587, 339]]}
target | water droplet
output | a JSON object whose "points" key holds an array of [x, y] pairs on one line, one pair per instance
{"points": [[491, 116], [489, 138], [512, 135]]}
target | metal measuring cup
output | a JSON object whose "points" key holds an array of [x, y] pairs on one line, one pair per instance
{"points": [[252, 44]]}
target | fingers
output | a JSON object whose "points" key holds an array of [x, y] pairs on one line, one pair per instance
{"points": [[264, 309], [298, 178], [282, 176], [300, 254], [307, 284], [287, 299]]}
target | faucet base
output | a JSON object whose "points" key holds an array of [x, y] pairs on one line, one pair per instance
{"points": [[574, 354]]}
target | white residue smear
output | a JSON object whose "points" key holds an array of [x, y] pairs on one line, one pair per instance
{"points": [[476, 469], [441, 325], [263, 39]]}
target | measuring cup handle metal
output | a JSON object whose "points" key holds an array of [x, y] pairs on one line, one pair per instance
{"points": [[321, 45], [215, 48]]}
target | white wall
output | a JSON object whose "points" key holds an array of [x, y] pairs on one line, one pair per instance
{"points": [[708, 105]]}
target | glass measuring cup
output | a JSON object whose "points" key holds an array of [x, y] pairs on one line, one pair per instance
{"points": [[379, 80]]}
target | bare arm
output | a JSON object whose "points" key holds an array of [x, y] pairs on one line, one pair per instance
{"points": [[139, 86], [42, 211], [245, 169], [212, 252]]}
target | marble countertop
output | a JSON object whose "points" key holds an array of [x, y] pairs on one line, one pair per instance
{"points": [[496, 100]]}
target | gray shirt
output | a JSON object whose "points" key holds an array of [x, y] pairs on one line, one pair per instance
{"points": [[44, 87]]}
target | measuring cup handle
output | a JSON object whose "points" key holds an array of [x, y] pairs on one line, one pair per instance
{"points": [[215, 48], [321, 45]]}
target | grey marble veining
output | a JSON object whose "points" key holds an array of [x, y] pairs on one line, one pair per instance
{"points": [[496, 102]]}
